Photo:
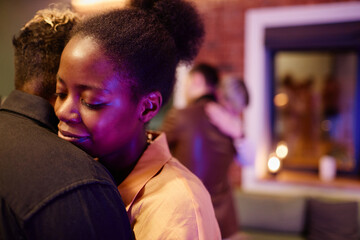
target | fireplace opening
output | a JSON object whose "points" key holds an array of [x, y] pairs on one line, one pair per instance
{"points": [[314, 107], [313, 73]]}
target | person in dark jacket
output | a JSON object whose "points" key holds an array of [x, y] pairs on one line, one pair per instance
{"points": [[201, 146], [49, 189]]}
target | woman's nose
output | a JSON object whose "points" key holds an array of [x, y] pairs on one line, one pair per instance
{"points": [[67, 111]]}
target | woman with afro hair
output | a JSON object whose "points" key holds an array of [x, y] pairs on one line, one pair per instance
{"points": [[115, 73]]}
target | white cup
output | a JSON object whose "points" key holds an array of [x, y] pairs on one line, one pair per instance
{"points": [[327, 168]]}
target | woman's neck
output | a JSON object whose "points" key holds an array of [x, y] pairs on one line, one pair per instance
{"points": [[121, 163]]}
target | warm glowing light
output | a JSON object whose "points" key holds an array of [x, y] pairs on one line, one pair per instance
{"points": [[274, 164], [85, 6], [85, 2], [282, 150], [281, 99], [91, 2]]}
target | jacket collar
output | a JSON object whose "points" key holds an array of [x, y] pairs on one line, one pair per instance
{"points": [[31, 106], [150, 163]]}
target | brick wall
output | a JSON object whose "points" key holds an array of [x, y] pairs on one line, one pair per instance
{"points": [[224, 24]]}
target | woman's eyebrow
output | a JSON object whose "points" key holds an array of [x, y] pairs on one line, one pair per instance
{"points": [[92, 87], [84, 87]]}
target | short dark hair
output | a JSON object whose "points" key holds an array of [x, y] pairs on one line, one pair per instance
{"points": [[210, 73], [38, 47], [146, 41]]}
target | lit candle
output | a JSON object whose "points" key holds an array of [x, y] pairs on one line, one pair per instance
{"points": [[274, 164], [327, 168]]}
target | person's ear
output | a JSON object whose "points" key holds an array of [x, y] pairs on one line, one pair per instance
{"points": [[149, 106]]}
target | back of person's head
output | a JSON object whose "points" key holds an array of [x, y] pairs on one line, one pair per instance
{"points": [[146, 40], [38, 47], [210, 73], [234, 93]]}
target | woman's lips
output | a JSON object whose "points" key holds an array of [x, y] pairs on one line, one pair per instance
{"points": [[71, 137]]}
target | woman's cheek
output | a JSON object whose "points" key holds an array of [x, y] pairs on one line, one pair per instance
{"points": [[91, 119]]}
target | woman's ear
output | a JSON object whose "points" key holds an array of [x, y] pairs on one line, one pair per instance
{"points": [[149, 106]]}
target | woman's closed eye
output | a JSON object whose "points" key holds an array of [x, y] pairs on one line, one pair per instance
{"points": [[93, 106]]}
